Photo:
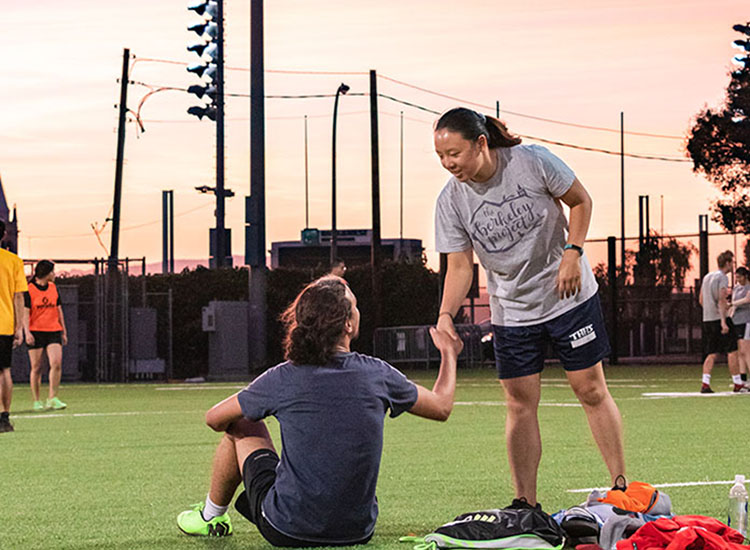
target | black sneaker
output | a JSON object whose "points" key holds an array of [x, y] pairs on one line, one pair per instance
{"points": [[705, 388], [621, 484], [522, 503], [5, 425]]}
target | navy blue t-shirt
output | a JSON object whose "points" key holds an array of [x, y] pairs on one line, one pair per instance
{"points": [[331, 421]]}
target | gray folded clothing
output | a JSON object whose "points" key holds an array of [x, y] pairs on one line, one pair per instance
{"points": [[617, 528]]}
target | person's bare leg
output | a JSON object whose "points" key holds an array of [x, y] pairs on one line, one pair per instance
{"points": [[708, 363], [6, 389], [242, 439], [733, 363], [54, 354], [522, 436], [604, 418], [744, 355], [35, 377]]}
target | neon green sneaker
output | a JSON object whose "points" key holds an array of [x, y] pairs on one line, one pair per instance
{"points": [[55, 404], [38, 406], [191, 522]]}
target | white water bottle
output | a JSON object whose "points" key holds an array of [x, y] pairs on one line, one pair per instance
{"points": [[738, 505]]}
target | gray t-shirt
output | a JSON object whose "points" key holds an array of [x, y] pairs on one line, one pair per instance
{"points": [[331, 421], [741, 312], [516, 226], [711, 293]]}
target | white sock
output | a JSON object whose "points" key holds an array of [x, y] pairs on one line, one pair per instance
{"points": [[737, 379], [707, 379], [211, 510]]}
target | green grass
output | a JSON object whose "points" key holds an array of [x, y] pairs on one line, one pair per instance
{"points": [[117, 481]]}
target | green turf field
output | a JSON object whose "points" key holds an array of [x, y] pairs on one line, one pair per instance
{"points": [[114, 469]]}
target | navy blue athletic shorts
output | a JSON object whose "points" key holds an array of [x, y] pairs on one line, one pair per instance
{"points": [[579, 339]]}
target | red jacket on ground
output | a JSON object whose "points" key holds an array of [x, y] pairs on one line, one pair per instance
{"points": [[684, 533]]}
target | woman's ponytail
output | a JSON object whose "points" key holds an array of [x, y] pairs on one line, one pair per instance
{"points": [[471, 124]]}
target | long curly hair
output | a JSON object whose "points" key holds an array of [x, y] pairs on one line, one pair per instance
{"points": [[315, 321]]}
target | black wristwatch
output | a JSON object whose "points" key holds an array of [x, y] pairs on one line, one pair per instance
{"points": [[575, 247]]}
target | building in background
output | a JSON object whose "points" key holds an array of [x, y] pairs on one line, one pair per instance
{"points": [[353, 245], [10, 240]]}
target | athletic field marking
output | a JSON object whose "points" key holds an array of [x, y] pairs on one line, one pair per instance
{"points": [[502, 404], [85, 415], [658, 485], [193, 387], [662, 395]]}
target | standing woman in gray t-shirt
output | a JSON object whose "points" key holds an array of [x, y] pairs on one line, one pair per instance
{"points": [[740, 313], [504, 203]]}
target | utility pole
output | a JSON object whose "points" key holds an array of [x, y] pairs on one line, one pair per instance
{"points": [[401, 188], [115, 289], [255, 231], [342, 89], [221, 235], [307, 183], [375, 252], [114, 249], [167, 207], [211, 32], [622, 191]]}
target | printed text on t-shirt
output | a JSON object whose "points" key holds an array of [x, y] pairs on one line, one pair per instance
{"points": [[499, 226]]}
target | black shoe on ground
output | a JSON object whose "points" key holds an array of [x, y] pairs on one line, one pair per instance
{"points": [[621, 484], [521, 503], [5, 425], [705, 388]]}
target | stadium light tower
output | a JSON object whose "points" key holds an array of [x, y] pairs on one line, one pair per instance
{"points": [[742, 59], [210, 69], [343, 88]]}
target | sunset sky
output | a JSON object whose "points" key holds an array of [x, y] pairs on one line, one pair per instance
{"points": [[579, 61]]}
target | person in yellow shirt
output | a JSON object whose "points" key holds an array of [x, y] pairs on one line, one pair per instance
{"points": [[12, 286]]}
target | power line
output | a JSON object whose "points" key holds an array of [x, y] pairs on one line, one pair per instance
{"points": [[432, 111], [524, 115], [445, 96], [560, 143], [129, 228]]}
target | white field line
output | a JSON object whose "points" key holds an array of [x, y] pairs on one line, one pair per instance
{"points": [[663, 395], [193, 387], [87, 415], [502, 404], [659, 485]]}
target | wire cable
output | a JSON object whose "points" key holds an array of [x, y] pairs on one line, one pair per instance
{"points": [[427, 110], [128, 228], [439, 94], [524, 115]]}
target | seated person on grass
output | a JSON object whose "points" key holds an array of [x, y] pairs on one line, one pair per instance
{"points": [[330, 403]]}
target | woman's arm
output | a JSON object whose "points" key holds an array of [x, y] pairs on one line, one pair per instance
{"points": [[458, 277], [61, 317], [581, 205]]}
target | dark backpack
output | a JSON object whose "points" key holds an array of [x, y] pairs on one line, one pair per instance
{"points": [[510, 528]]}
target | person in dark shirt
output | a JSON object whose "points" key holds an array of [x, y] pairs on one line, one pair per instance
{"points": [[330, 403]]}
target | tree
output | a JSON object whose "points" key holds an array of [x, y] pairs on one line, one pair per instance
{"points": [[719, 146], [662, 262]]}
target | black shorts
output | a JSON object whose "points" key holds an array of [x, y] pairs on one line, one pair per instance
{"points": [[579, 338], [742, 331], [42, 339], [259, 475], [6, 351], [716, 342]]}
